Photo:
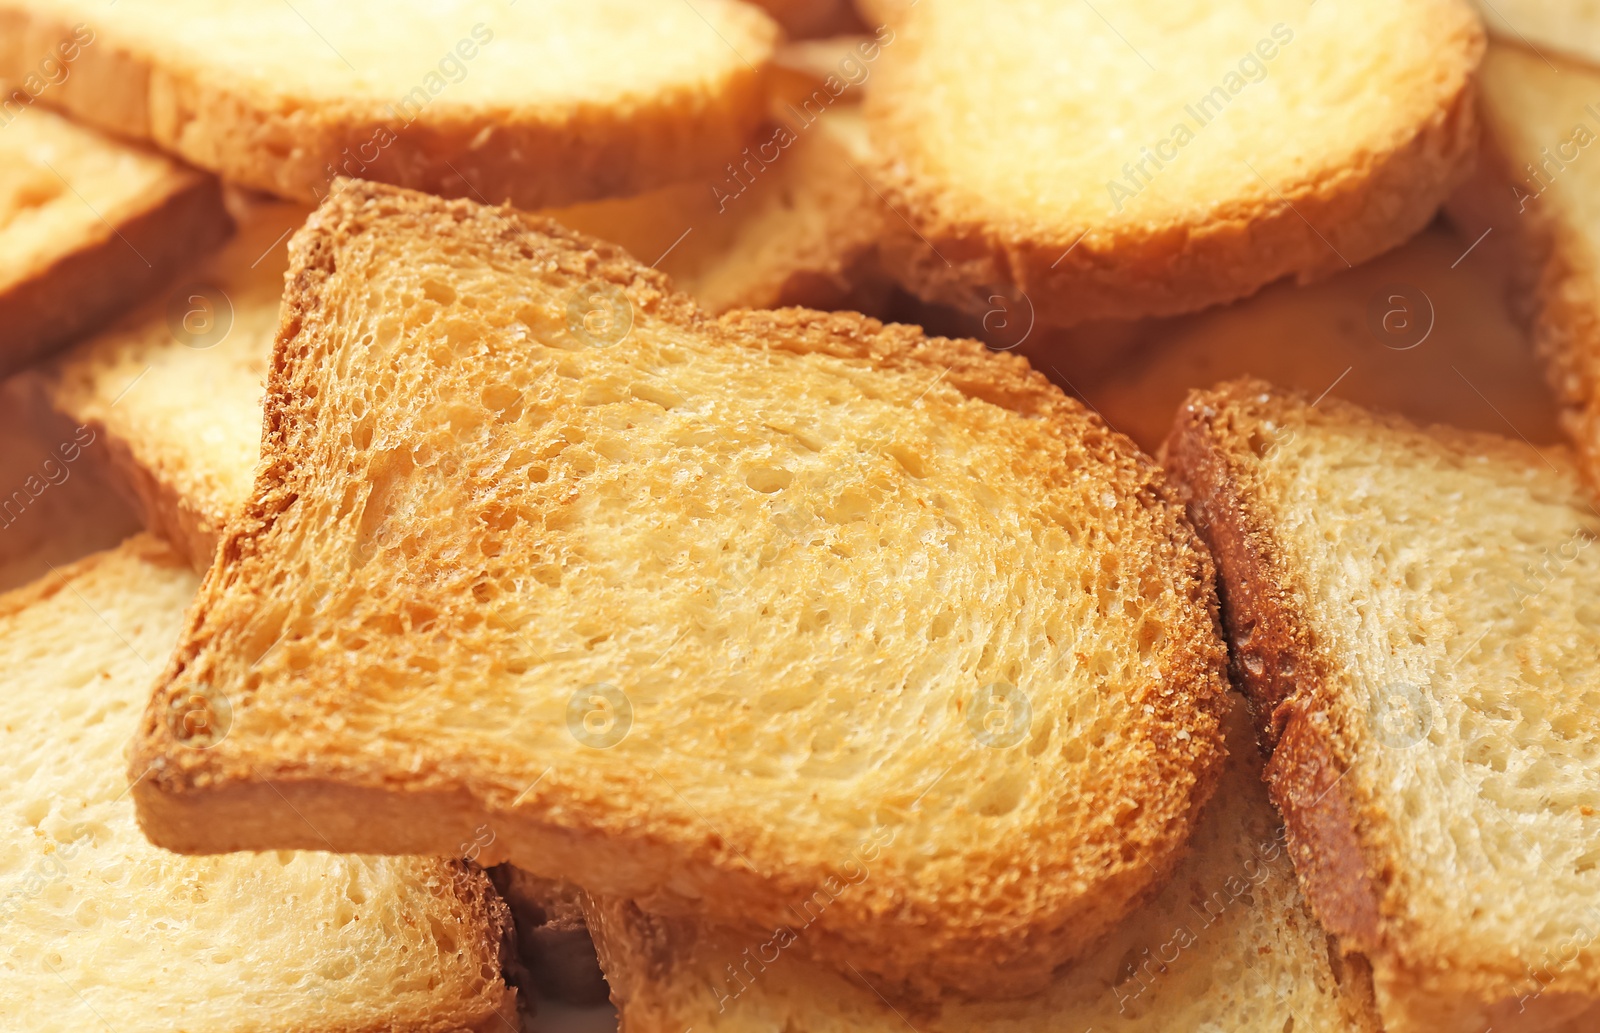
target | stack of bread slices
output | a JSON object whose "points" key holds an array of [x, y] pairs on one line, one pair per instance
{"points": [[800, 516]]}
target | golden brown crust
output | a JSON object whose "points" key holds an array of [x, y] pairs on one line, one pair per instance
{"points": [[1067, 275], [1275, 659], [216, 800], [84, 288], [534, 159]]}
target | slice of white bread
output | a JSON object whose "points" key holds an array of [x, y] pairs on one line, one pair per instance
{"points": [[174, 389], [1570, 27], [1228, 945], [1422, 331], [1158, 156], [1412, 613], [540, 103], [103, 928], [879, 588], [1537, 195], [799, 229], [88, 225], [57, 503]]}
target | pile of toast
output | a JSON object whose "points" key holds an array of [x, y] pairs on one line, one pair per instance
{"points": [[800, 516]]}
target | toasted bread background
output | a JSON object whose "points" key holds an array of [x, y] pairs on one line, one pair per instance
{"points": [[1411, 614], [1425, 331], [1539, 207], [100, 924], [755, 445], [1288, 142], [174, 389], [540, 104], [1229, 945], [88, 224]]}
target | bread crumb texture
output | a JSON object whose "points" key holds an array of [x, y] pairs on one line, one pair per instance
{"points": [[695, 609], [99, 923]]}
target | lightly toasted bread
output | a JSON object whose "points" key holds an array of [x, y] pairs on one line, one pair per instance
{"points": [[1423, 331], [179, 403], [1156, 157], [173, 390], [540, 104], [486, 437], [1535, 195], [1411, 611], [1228, 945], [88, 225], [101, 925], [804, 231]]}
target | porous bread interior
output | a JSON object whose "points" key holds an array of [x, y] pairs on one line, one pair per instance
{"points": [[542, 57], [1475, 368], [1228, 945], [56, 504], [828, 537], [797, 235], [1535, 111], [99, 924], [187, 411], [1348, 88], [64, 187], [1449, 579], [1571, 27]]}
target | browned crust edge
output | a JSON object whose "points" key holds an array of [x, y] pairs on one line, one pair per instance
{"points": [[82, 290], [526, 157], [1275, 659], [192, 802], [1312, 229]]}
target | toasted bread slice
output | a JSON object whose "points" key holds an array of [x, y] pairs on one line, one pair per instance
{"points": [[799, 229], [540, 104], [1571, 27], [57, 503], [88, 225], [1424, 331], [1535, 194], [1228, 945], [174, 389], [1153, 157], [99, 924], [1412, 614], [534, 435]]}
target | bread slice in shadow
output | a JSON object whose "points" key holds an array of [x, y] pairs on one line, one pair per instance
{"points": [[88, 226], [100, 924], [707, 613], [1229, 944], [1411, 612], [539, 104], [173, 390], [1158, 157], [1533, 195]]}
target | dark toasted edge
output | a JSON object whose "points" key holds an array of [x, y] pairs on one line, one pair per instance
{"points": [[1275, 659], [531, 155], [1322, 227], [558, 953], [191, 801], [85, 288]]}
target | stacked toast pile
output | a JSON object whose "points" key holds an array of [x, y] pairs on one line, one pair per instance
{"points": [[797, 516]]}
